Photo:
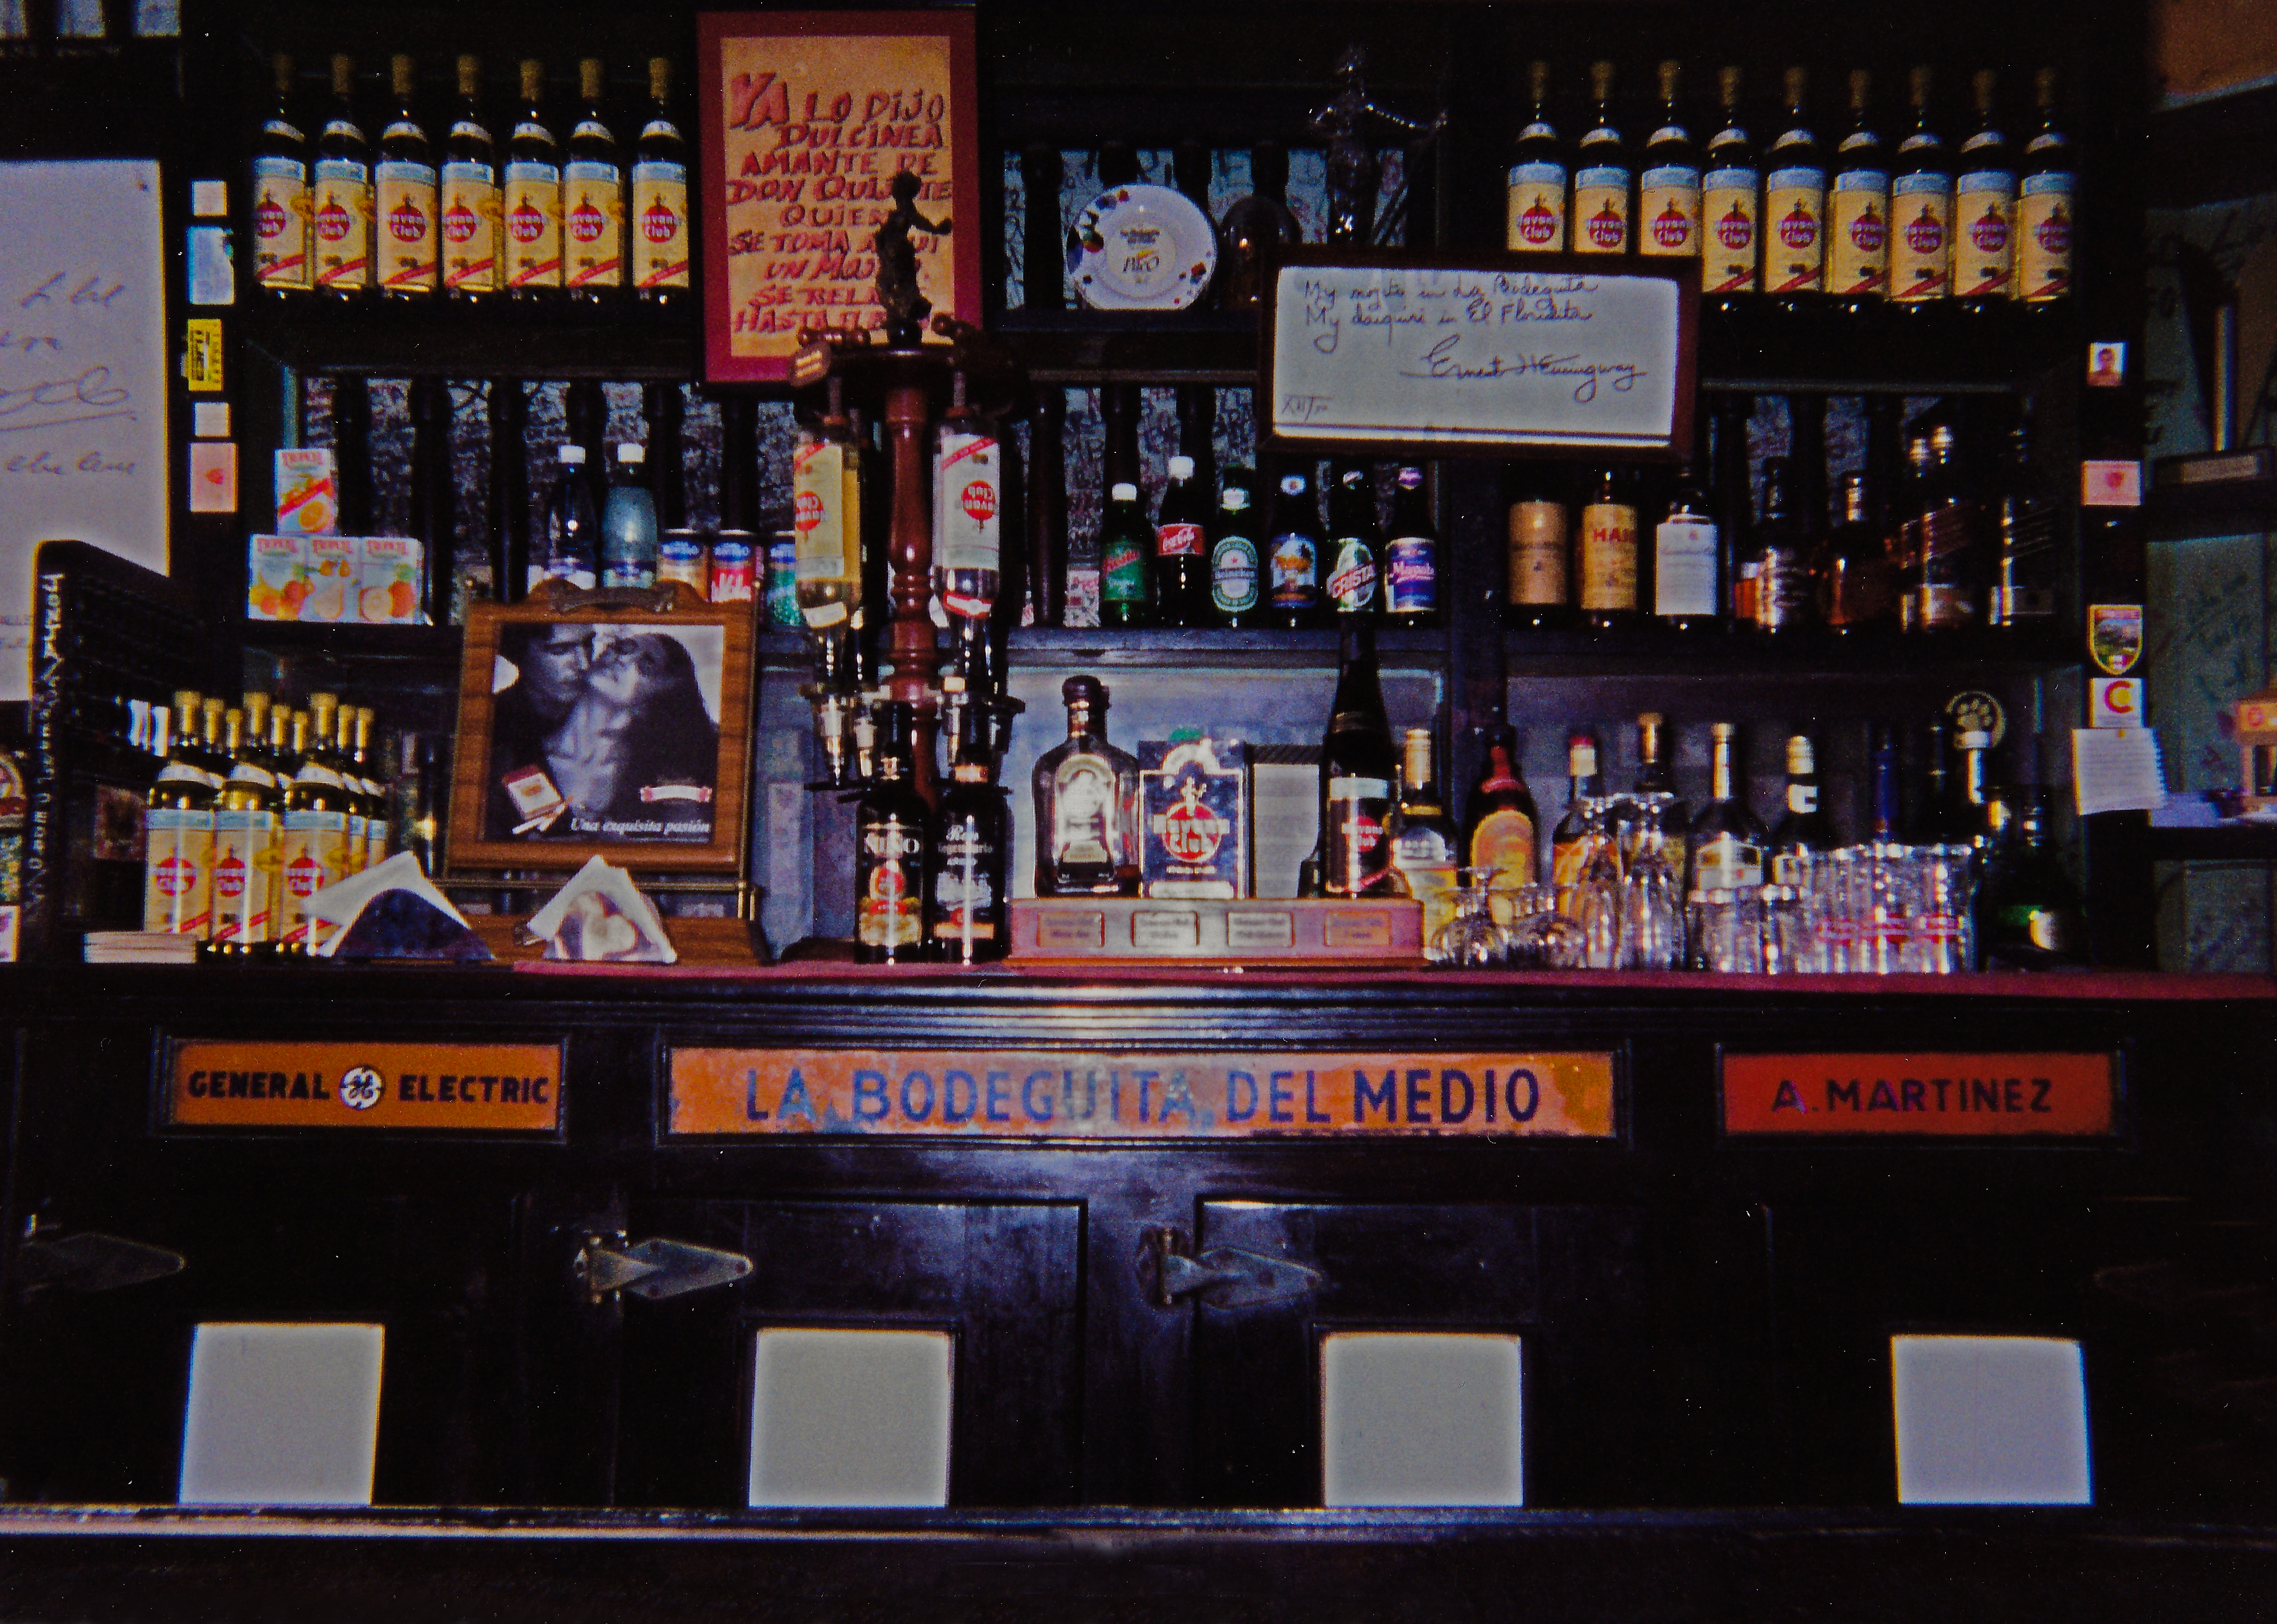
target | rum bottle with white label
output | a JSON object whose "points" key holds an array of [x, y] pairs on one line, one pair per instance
{"points": [[533, 195], [281, 203], [1426, 844], [317, 805], [1535, 193], [1730, 206], [406, 224], [2047, 207], [826, 516], [968, 859], [1858, 210], [1804, 833], [341, 202], [249, 822], [1086, 797], [472, 264], [592, 199], [1985, 208], [1794, 204], [1668, 190], [1727, 841], [968, 560], [1687, 573], [179, 834], [663, 247], [890, 848], [1921, 208], [1604, 179]]}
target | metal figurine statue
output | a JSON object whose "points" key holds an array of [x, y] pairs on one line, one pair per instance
{"points": [[1348, 124], [906, 308]]}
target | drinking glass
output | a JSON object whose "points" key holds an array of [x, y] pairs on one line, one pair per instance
{"points": [[1470, 939], [1651, 921]]}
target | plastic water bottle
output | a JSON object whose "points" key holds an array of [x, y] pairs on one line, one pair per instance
{"points": [[629, 534], [573, 526]]}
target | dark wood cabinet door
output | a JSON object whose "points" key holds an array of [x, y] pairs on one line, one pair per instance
{"points": [[1002, 1279]]}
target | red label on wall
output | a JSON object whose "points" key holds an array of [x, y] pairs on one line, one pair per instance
{"points": [[1949, 1096]]}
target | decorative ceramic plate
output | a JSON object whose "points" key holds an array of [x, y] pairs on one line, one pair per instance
{"points": [[1141, 247]]}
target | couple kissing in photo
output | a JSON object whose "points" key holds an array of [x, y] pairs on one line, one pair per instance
{"points": [[603, 726]]}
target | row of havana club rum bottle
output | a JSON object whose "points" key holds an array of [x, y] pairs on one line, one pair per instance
{"points": [[255, 811], [1915, 222], [534, 220]]}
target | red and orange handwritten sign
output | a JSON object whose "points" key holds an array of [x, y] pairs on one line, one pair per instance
{"points": [[1945, 1096], [807, 117]]}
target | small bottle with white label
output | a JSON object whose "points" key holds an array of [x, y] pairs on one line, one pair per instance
{"points": [[1687, 576]]}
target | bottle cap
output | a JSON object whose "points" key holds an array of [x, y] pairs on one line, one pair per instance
{"points": [[571, 453], [1123, 490], [1084, 690], [1182, 468]]}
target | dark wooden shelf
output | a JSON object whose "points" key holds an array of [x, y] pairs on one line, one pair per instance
{"points": [[2228, 843], [1649, 650], [437, 644], [380, 338], [2176, 512]]}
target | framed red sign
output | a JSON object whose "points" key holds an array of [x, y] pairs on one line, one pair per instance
{"points": [[806, 118]]}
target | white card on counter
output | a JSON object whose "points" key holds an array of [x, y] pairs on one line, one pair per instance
{"points": [[2117, 769]]}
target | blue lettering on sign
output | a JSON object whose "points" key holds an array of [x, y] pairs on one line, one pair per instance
{"points": [[1179, 1096], [1312, 1114], [1240, 1096], [911, 1107], [870, 1102], [1518, 1113], [1418, 1096], [1365, 1095], [1028, 1096], [1448, 1083], [1281, 1099], [796, 1101], [1067, 1093], [949, 1111], [1000, 1096]]}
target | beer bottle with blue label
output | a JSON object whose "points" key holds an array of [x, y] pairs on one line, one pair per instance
{"points": [[1411, 554]]}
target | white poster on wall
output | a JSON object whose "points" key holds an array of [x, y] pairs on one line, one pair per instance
{"points": [[83, 447]]}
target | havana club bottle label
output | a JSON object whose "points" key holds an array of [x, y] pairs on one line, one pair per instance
{"points": [[593, 227], [533, 226], [1858, 234], [1668, 212], [313, 855], [1538, 209], [2044, 233], [408, 238], [660, 226], [1795, 211], [341, 210], [280, 223], [470, 228], [1731, 229], [1601, 210], [176, 890], [245, 869], [1921, 242], [1984, 249]]}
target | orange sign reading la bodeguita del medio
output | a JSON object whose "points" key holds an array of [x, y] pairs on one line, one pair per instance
{"points": [[1137, 1095], [422, 1088]]}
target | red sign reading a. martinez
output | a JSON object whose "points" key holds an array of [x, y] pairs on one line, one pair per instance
{"points": [[1923, 1095], [453, 1088]]}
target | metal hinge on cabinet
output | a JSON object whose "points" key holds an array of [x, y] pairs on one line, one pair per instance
{"points": [[651, 1268], [1221, 1277], [89, 1261]]}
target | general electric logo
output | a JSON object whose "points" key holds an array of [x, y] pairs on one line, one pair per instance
{"points": [[362, 1088]]}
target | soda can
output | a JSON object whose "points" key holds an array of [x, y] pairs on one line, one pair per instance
{"points": [[680, 556], [782, 581], [731, 568]]}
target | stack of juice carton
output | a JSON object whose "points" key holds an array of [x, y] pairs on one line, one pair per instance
{"points": [[308, 571]]}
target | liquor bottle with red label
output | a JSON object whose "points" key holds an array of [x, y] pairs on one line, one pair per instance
{"points": [[1501, 827], [1858, 210], [317, 808], [1360, 774], [248, 821], [473, 266], [2047, 206], [1794, 204], [592, 199], [1535, 191], [1607, 554], [663, 243], [1730, 206], [1985, 208], [533, 196], [1668, 190], [890, 848], [1604, 179], [341, 201], [280, 193], [409, 237], [1182, 551], [1921, 209]]}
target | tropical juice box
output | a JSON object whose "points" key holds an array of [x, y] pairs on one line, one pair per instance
{"points": [[308, 492], [387, 589], [277, 571], [335, 568]]}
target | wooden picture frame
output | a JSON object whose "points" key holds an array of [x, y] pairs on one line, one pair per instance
{"points": [[1480, 355], [806, 118], [585, 729]]}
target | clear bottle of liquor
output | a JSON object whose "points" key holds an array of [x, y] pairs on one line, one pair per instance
{"points": [[1727, 840], [314, 852], [281, 202], [828, 524], [1794, 204], [1359, 773], [1293, 564], [533, 195], [1181, 547], [890, 848], [1921, 208], [573, 526], [629, 539], [1688, 574], [473, 265], [2047, 206], [1126, 548], [1411, 554], [592, 198], [1856, 594], [1426, 844], [1539, 595], [179, 833], [1604, 179], [248, 821], [663, 244], [1608, 555], [2028, 519], [1653, 799], [407, 226], [1087, 796], [1785, 549], [341, 202], [1730, 206], [1535, 193], [1805, 832], [968, 856], [1984, 207], [1858, 209], [1668, 190], [1355, 546], [1235, 581]]}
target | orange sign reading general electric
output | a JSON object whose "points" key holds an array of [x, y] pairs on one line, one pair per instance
{"points": [[1940, 1096], [432, 1087], [1041, 1094]]}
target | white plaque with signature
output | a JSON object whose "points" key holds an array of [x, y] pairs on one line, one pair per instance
{"points": [[1382, 353]]}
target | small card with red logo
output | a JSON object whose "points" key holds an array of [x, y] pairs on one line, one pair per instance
{"points": [[1195, 800]]}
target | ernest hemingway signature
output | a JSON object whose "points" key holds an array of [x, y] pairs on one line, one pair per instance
{"points": [[1440, 362]]}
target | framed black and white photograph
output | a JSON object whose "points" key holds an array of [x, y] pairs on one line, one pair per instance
{"points": [[602, 727]]}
